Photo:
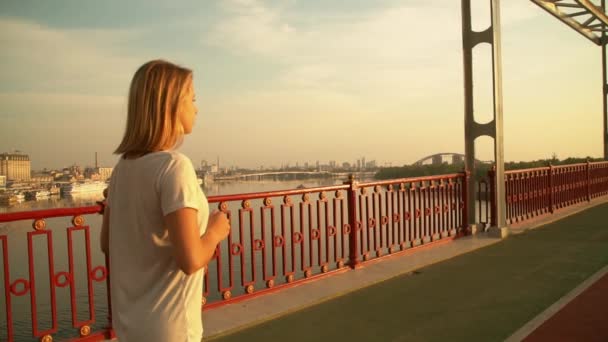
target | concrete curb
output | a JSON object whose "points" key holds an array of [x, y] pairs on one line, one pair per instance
{"points": [[560, 214]]}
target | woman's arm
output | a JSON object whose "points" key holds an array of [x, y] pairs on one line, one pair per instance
{"points": [[193, 252], [104, 240]]}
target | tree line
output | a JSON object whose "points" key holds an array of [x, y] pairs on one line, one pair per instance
{"points": [[481, 170]]}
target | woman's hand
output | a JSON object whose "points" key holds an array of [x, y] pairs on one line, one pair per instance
{"points": [[218, 226], [193, 252]]}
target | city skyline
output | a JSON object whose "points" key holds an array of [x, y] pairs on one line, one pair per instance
{"points": [[289, 81], [201, 164]]}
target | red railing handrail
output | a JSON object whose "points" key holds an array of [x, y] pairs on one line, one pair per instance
{"points": [[275, 193], [543, 168], [546, 168], [536, 191], [48, 213], [411, 180]]}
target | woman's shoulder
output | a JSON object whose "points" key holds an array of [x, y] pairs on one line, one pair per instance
{"points": [[165, 158], [178, 158], [173, 161]]}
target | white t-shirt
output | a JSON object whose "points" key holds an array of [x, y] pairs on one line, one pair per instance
{"points": [[152, 299]]}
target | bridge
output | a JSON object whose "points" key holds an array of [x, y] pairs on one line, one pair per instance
{"points": [[283, 240], [440, 158], [274, 174], [294, 175]]}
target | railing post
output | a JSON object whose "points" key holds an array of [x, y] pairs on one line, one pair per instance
{"points": [[605, 83], [110, 330], [551, 192], [588, 181], [353, 243], [465, 209], [492, 178]]}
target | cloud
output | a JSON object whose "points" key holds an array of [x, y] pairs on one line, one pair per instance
{"points": [[58, 129], [62, 90], [39, 58], [251, 28], [378, 36], [382, 53], [391, 35]]}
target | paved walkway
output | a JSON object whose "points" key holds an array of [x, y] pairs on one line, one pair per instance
{"points": [[486, 294], [257, 310]]}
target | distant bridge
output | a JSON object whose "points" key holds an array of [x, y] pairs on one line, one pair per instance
{"points": [[273, 173], [438, 158], [295, 174]]}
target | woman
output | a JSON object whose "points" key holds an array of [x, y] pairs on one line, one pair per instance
{"points": [[156, 227]]}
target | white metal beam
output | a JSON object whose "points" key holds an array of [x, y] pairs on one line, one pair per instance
{"points": [[586, 19]]}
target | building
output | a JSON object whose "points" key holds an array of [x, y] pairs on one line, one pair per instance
{"points": [[104, 173], [15, 166], [2, 182]]}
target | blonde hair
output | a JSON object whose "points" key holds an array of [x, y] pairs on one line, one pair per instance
{"points": [[152, 116]]}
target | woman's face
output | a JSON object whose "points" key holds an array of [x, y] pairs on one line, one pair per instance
{"points": [[188, 110]]}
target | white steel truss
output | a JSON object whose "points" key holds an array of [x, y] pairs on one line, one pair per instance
{"points": [[584, 16]]}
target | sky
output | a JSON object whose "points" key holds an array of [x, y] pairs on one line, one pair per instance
{"points": [[291, 81]]}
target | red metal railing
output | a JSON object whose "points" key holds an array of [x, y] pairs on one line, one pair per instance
{"points": [[539, 191], [311, 232], [278, 239], [398, 214], [598, 180], [58, 277]]}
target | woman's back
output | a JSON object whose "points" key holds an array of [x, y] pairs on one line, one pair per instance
{"points": [[148, 289]]}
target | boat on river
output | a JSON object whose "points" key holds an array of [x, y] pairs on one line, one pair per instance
{"points": [[83, 187]]}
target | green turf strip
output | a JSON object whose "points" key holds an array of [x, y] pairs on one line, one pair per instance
{"points": [[485, 295]]}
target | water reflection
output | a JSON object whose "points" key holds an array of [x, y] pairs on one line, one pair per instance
{"points": [[54, 201]]}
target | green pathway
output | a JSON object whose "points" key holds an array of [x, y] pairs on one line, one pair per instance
{"points": [[485, 295]]}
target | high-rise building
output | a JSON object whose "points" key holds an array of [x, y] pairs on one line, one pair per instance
{"points": [[15, 166]]}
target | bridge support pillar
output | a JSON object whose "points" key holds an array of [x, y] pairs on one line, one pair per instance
{"points": [[494, 129], [605, 84]]}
